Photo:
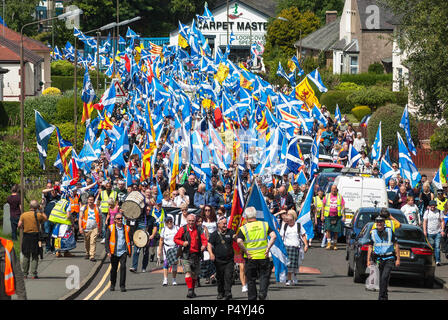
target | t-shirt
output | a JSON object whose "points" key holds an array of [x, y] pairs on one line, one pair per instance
{"points": [[211, 226], [434, 224], [14, 205], [29, 221], [334, 204], [223, 251], [411, 213], [91, 220], [168, 236], [290, 235]]}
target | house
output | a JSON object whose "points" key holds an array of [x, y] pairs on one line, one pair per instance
{"points": [[321, 40], [37, 65], [247, 19], [365, 37]]}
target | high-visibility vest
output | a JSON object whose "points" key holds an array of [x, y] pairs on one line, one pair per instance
{"points": [[327, 205], [441, 204], [10, 288], [74, 204], [59, 213], [85, 216], [159, 220], [382, 247], [113, 238], [256, 238], [319, 203], [105, 198], [387, 223]]}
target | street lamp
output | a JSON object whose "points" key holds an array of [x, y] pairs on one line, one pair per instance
{"points": [[122, 23], [68, 14]]}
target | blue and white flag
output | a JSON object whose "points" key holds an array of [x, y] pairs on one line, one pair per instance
{"points": [[207, 16], [314, 165], [377, 145], [337, 115], [304, 217], [293, 160], [317, 80], [108, 99], [281, 72], [387, 156], [353, 157], [408, 170], [404, 124], [317, 114], [436, 181], [232, 38], [137, 151], [386, 171], [117, 159], [301, 179], [43, 134], [278, 250]]}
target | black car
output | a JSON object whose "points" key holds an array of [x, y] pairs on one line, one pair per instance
{"points": [[368, 214], [416, 255]]}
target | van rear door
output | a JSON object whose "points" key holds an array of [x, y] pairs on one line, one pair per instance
{"points": [[350, 189], [374, 189]]}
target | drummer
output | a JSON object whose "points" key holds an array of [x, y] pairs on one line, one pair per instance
{"points": [[147, 223]]}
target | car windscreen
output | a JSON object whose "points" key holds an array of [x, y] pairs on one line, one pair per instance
{"points": [[365, 217], [410, 234], [325, 179], [305, 148]]}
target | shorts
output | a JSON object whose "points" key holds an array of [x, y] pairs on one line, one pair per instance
{"points": [[192, 265]]}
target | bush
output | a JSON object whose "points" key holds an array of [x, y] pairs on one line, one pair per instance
{"points": [[65, 109], [372, 97], [46, 105], [401, 97], [361, 111], [349, 86], [64, 68], [333, 97], [51, 91], [439, 140], [376, 68], [368, 79], [9, 113], [390, 116], [67, 82]]}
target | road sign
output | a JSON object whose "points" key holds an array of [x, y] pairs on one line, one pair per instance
{"points": [[120, 93]]}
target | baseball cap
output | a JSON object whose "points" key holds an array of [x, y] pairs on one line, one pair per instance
{"points": [[432, 203], [379, 219]]}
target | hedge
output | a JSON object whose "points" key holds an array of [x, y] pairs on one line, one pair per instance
{"points": [[360, 111], [9, 113], [367, 79], [373, 97], [65, 83], [390, 116], [339, 97]]}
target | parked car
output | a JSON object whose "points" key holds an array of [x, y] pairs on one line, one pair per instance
{"points": [[327, 167], [365, 215], [416, 255]]}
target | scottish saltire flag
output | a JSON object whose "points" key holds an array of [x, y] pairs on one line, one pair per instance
{"points": [[404, 124], [293, 65], [353, 157], [108, 100], [207, 16], [386, 171], [232, 38], [317, 114], [317, 80], [337, 115], [57, 55], [278, 250], [437, 181], [137, 151], [408, 170], [87, 96], [387, 156], [377, 144], [301, 179], [294, 158], [304, 217], [43, 134], [314, 158], [281, 72], [122, 145]]}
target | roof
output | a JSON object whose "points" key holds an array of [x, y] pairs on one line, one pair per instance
{"points": [[385, 18], [267, 7], [323, 38], [10, 51], [28, 43], [338, 45], [352, 46]]}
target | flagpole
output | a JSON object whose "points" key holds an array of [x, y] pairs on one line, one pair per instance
{"points": [[75, 98]]}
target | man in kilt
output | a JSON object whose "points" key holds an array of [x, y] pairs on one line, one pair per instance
{"points": [[167, 250]]}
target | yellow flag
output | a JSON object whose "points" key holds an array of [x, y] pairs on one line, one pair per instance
{"points": [[305, 93], [174, 171], [182, 41], [222, 73]]}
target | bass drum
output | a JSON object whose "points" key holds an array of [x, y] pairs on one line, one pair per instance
{"points": [[141, 238], [133, 205]]}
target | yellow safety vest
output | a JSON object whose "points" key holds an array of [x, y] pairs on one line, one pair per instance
{"points": [[104, 198], [327, 205], [59, 213], [256, 238], [387, 223], [318, 203], [441, 204]]}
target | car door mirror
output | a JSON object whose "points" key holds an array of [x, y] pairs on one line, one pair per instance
{"points": [[353, 236]]}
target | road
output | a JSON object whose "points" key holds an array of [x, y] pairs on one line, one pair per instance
{"points": [[325, 278]]}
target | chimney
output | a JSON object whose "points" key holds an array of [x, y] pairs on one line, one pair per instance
{"points": [[330, 16]]}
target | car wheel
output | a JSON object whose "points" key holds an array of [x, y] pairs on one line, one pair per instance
{"points": [[429, 282], [357, 277], [349, 270]]}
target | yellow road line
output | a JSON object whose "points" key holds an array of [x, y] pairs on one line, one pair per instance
{"points": [[102, 292], [100, 284]]}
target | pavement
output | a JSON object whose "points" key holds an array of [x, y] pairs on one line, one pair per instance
{"points": [[64, 278]]}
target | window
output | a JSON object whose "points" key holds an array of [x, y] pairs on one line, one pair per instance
{"points": [[353, 64]]}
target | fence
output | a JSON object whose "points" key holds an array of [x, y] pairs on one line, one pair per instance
{"points": [[425, 158]]}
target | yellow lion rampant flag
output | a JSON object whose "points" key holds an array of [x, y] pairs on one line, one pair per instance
{"points": [[222, 73], [305, 92]]}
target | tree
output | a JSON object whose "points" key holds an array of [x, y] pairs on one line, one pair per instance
{"points": [[422, 35], [281, 35], [19, 13], [319, 7], [61, 35]]}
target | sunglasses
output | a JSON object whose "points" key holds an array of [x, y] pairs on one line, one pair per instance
{"points": [[207, 210], [118, 218]]}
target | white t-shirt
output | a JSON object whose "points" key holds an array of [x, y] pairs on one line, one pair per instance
{"points": [[290, 236], [178, 200], [91, 220], [434, 218], [168, 236], [411, 213], [211, 226], [183, 220], [359, 144]]}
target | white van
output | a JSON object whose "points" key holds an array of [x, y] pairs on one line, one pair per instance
{"points": [[361, 191]]}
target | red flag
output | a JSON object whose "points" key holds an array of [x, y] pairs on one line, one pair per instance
{"points": [[218, 117], [75, 173], [127, 63], [236, 213]]}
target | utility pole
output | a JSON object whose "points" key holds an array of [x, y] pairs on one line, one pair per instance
{"points": [[227, 4]]}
